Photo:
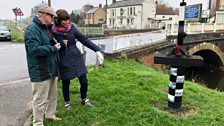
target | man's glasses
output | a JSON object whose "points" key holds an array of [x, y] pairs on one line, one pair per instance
{"points": [[50, 15]]}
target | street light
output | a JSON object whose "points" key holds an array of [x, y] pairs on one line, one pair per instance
{"points": [[106, 12], [49, 3], [183, 3]]}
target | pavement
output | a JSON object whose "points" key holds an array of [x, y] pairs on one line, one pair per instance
{"points": [[15, 102]]}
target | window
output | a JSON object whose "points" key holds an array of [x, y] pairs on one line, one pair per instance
{"points": [[131, 11], [134, 10], [121, 11], [132, 21], [113, 12]]}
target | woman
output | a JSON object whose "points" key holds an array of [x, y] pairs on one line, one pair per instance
{"points": [[71, 62]]}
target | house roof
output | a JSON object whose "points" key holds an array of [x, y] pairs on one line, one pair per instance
{"points": [[164, 11], [92, 10], [126, 3]]}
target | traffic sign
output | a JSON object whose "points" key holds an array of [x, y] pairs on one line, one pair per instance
{"points": [[205, 13], [14, 10], [18, 12]]}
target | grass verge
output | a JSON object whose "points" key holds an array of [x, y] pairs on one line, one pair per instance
{"points": [[128, 93]]}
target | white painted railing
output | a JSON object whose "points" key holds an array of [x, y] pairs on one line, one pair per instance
{"points": [[124, 42], [191, 28]]}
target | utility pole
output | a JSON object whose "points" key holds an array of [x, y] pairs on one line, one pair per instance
{"points": [[49, 3], [106, 12], [209, 4]]}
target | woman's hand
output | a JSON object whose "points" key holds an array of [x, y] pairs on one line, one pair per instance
{"points": [[100, 57]]}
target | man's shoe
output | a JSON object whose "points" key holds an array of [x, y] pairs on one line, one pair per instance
{"points": [[55, 119], [87, 103]]}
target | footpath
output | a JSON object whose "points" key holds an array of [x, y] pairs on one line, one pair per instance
{"points": [[15, 102]]}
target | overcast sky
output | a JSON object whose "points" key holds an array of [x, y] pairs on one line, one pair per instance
{"points": [[6, 6]]}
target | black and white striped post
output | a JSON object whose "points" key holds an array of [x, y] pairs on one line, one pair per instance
{"points": [[176, 86], [178, 61], [177, 74]]}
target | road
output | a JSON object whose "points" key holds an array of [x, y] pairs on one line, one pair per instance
{"points": [[13, 62]]}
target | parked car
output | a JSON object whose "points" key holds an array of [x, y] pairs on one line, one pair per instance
{"points": [[5, 33]]}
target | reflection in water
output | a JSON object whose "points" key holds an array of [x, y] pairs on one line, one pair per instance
{"points": [[211, 78]]}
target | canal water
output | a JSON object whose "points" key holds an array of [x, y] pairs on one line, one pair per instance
{"points": [[211, 78]]}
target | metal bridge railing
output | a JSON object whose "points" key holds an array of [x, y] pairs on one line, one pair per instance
{"points": [[191, 28], [130, 41]]}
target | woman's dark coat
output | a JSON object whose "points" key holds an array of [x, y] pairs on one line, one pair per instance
{"points": [[71, 61]]}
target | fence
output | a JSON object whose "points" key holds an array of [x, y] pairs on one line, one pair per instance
{"points": [[192, 28], [91, 30]]}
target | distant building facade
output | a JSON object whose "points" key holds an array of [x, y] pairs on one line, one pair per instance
{"points": [[166, 15], [216, 5], [95, 16], [217, 9], [136, 14]]}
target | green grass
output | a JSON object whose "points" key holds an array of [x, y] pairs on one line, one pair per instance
{"points": [[128, 93], [16, 35]]}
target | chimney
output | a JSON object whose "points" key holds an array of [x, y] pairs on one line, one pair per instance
{"points": [[113, 1], [100, 5]]}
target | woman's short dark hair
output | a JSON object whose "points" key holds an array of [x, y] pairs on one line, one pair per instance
{"points": [[62, 14]]}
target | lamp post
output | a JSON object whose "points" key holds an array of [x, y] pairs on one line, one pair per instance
{"points": [[106, 11], [49, 3]]}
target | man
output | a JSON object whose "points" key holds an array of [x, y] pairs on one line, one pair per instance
{"points": [[42, 65]]}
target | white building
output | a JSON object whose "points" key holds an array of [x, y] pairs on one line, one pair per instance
{"points": [[165, 16], [219, 17], [136, 14]]}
